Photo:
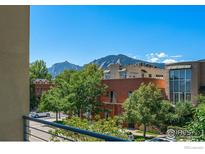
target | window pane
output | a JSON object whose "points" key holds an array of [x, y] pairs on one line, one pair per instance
{"points": [[182, 86], [171, 97], [182, 74], [176, 86], [171, 75], [188, 74], [176, 74], [176, 97], [123, 75], [188, 85], [171, 84], [129, 93], [188, 96], [182, 97]]}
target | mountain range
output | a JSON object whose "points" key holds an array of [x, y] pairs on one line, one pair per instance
{"points": [[103, 63]]}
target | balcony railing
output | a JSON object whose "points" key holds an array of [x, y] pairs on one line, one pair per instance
{"points": [[43, 130]]}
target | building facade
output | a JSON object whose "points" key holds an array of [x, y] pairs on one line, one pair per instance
{"points": [[185, 81], [141, 70], [120, 89], [41, 86]]}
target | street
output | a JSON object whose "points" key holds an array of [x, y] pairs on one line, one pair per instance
{"points": [[41, 127]]}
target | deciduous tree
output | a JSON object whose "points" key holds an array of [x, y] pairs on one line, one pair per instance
{"points": [[37, 70], [52, 101], [143, 105]]}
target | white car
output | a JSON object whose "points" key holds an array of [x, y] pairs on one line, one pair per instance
{"points": [[39, 114]]}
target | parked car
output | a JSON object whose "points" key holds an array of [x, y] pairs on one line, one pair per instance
{"points": [[161, 139], [39, 114]]}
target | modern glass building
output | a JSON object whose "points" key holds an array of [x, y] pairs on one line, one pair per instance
{"points": [[185, 81]]}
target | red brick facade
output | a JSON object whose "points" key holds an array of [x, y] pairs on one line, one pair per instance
{"points": [[121, 89], [40, 86]]}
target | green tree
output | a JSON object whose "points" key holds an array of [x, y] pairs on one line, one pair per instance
{"points": [[184, 112], [86, 88], [201, 99], [63, 78], [62, 82], [52, 101], [197, 126], [166, 116], [143, 105], [78, 92], [37, 70], [174, 115]]}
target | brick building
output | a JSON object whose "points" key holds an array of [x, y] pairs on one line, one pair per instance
{"points": [[40, 86], [120, 89]]}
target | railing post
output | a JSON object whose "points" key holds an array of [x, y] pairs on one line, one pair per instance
{"points": [[25, 130]]}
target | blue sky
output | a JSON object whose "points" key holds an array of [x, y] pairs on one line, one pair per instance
{"points": [[80, 34]]}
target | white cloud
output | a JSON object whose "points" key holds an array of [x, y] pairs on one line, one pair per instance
{"points": [[168, 61], [154, 59], [162, 57], [176, 56]]}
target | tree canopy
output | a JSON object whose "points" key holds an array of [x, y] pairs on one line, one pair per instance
{"points": [[37, 70], [143, 105], [79, 91], [197, 125], [52, 101]]}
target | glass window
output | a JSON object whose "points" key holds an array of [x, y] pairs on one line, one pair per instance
{"points": [[182, 86], [176, 74], [188, 86], [171, 75], [188, 74], [123, 75], [171, 97], [171, 84], [111, 96], [188, 96], [129, 93], [107, 75], [176, 86], [182, 74], [176, 97], [182, 98]]}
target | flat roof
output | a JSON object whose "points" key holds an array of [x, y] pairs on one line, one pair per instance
{"points": [[186, 62]]}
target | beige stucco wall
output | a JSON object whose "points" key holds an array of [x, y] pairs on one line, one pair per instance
{"points": [[14, 65], [136, 71], [149, 70]]}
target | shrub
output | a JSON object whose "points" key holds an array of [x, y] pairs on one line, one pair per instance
{"points": [[110, 127]]}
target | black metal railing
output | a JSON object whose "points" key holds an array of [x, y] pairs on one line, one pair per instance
{"points": [[39, 132]]}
